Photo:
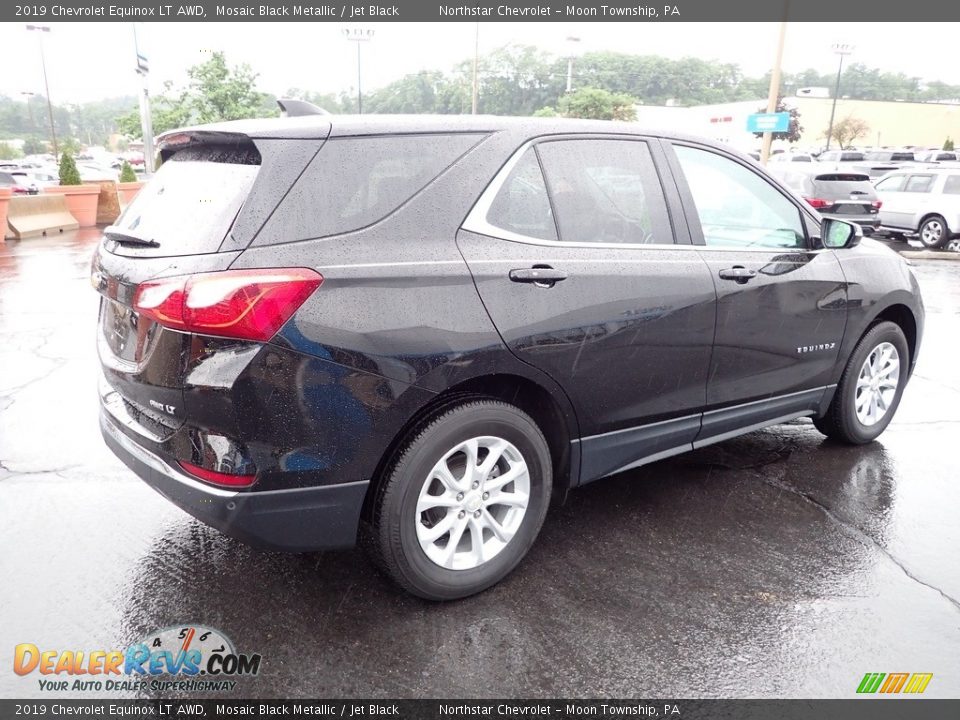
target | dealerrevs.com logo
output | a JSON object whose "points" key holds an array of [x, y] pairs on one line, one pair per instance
{"points": [[190, 658]]}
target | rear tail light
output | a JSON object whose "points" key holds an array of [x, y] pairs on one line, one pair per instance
{"points": [[817, 202], [242, 304], [218, 478], [877, 204]]}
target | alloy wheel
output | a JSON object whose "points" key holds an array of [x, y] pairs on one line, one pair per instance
{"points": [[472, 502], [877, 384], [932, 232]]}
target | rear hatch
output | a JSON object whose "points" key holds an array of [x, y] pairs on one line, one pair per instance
{"points": [[197, 213], [842, 193]]}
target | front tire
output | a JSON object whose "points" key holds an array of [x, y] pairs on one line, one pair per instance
{"points": [[934, 232], [870, 388], [463, 501]]}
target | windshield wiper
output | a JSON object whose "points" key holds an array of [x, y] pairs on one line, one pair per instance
{"points": [[123, 238]]}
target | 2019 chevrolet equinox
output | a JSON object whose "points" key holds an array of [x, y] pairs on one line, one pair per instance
{"points": [[420, 330]]}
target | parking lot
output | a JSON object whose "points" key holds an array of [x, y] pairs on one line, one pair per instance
{"points": [[777, 564]]}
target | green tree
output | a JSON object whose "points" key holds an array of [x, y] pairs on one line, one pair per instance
{"points": [[598, 104], [547, 111], [69, 145], [69, 175], [422, 92], [34, 146], [794, 131], [335, 103], [948, 144], [9, 151], [513, 80], [126, 173], [847, 130], [218, 92], [215, 92]]}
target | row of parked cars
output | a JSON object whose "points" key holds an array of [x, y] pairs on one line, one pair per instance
{"points": [[893, 192], [30, 175]]}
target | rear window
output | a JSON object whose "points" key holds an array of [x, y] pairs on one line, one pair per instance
{"points": [[843, 177], [839, 184], [187, 208], [851, 156], [355, 182]]}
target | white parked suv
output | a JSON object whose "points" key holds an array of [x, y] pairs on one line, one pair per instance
{"points": [[922, 201]]}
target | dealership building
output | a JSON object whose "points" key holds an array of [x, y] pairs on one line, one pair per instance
{"points": [[891, 124]]}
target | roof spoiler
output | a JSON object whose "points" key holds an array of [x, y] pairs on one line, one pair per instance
{"points": [[290, 107]]}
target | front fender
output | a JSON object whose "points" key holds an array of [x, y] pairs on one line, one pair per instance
{"points": [[879, 283]]}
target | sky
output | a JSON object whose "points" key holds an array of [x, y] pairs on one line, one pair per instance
{"points": [[89, 61]]}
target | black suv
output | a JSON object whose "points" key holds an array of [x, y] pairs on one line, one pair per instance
{"points": [[419, 330]]}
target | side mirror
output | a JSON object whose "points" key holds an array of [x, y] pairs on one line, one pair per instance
{"points": [[837, 234]]}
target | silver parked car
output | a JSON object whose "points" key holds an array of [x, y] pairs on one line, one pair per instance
{"points": [[922, 201]]}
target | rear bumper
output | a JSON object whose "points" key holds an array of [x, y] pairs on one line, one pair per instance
{"points": [[292, 520]]}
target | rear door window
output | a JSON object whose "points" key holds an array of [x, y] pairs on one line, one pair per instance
{"points": [[918, 184], [357, 181], [605, 191], [522, 206]]}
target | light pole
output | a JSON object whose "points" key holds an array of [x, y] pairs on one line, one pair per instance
{"points": [[359, 35], [571, 40], [146, 116], [840, 49], [43, 62]]}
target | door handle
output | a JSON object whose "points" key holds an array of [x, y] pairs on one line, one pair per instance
{"points": [[739, 273], [541, 276]]}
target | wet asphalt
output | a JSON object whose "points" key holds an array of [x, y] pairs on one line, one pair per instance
{"points": [[776, 564]]}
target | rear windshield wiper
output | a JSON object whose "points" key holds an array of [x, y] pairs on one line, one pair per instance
{"points": [[123, 238]]}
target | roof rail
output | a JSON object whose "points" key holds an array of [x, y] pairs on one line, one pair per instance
{"points": [[290, 107]]}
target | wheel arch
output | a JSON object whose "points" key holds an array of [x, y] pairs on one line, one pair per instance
{"points": [[534, 398], [903, 316], [897, 311], [948, 231]]}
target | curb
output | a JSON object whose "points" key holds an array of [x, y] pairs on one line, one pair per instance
{"points": [[931, 255]]}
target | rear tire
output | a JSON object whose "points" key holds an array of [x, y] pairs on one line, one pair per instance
{"points": [[445, 524], [870, 388], [934, 232]]}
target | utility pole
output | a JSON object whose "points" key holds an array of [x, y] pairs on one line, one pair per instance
{"points": [[33, 122], [840, 49], [774, 93], [46, 85], [146, 117], [571, 40]]}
